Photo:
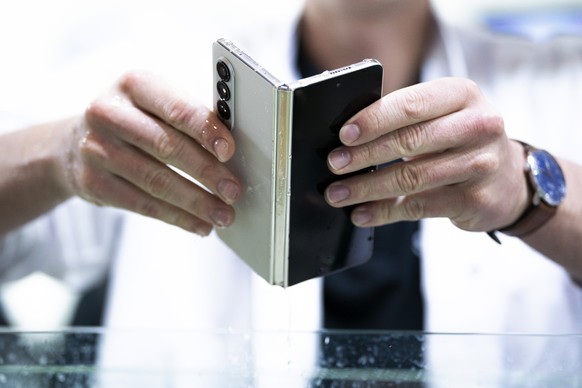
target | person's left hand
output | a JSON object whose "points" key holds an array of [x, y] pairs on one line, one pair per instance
{"points": [[454, 159]]}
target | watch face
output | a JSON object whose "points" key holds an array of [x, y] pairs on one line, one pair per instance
{"points": [[547, 176]]}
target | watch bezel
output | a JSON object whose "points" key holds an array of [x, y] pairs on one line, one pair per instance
{"points": [[546, 177]]}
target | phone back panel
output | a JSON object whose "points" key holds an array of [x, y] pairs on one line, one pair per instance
{"points": [[253, 125], [322, 239]]}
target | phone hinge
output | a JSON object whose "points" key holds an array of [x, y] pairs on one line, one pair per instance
{"points": [[282, 187]]}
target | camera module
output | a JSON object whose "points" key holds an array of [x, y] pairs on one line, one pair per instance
{"points": [[224, 91]]}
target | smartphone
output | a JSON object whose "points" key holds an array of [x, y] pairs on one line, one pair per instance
{"points": [[284, 230]]}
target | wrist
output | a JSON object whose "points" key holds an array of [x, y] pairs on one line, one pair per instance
{"points": [[30, 173], [50, 159], [62, 157]]}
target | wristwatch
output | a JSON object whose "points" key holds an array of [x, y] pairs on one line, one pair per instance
{"points": [[547, 186]]}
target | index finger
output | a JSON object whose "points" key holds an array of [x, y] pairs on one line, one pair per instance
{"points": [[180, 111], [407, 106]]}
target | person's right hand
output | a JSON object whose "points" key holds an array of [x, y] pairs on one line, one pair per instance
{"points": [[125, 143]]}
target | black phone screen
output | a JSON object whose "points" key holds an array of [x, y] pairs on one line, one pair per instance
{"points": [[322, 239]]}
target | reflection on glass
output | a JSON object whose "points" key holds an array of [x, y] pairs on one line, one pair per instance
{"points": [[109, 358]]}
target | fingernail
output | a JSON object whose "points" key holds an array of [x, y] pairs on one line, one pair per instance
{"points": [[337, 193], [228, 189], [222, 217], [339, 158], [202, 230], [349, 133], [221, 149], [361, 217]]}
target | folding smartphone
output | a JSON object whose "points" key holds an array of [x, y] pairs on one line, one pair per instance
{"points": [[284, 229]]}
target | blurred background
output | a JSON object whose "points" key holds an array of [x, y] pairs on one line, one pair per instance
{"points": [[58, 56], [536, 19]]}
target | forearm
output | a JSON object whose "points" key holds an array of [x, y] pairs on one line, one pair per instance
{"points": [[32, 179], [561, 238]]}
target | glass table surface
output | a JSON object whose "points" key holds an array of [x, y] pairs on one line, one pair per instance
{"points": [[96, 357]]}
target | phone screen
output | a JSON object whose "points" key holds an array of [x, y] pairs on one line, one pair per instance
{"points": [[322, 239]]}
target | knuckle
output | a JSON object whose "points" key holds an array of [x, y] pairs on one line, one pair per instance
{"points": [[368, 152], [97, 111], [467, 89], [475, 202], [179, 219], [485, 164], [478, 123], [90, 186], [129, 80], [485, 119], [479, 196], [149, 208], [413, 209], [407, 141], [167, 147], [495, 123], [414, 105], [408, 178], [180, 114], [91, 149], [158, 182], [382, 212], [487, 123], [476, 199], [374, 120], [471, 87]]}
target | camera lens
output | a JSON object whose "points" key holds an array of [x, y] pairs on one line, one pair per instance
{"points": [[223, 110], [223, 71], [223, 90]]}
